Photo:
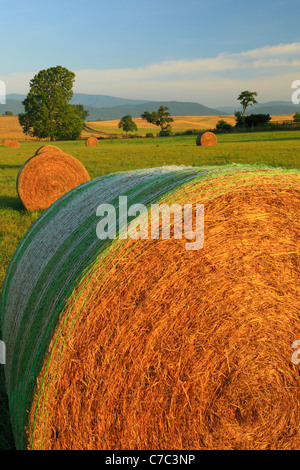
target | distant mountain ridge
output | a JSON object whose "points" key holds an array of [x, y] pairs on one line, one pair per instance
{"points": [[96, 101], [103, 101], [175, 108], [271, 107], [104, 107]]}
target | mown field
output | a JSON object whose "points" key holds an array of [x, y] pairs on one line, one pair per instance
{"points": [[180, 124], [11, 129], [276, 148]]}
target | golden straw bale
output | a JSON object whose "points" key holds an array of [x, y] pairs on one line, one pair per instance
{"points": [[207, 139], [46, 176], [14, 143], [141, 344], [92, 142], [47, 148]]}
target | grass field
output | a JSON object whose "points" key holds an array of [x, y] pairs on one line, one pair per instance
{"points": [[276, 148]]}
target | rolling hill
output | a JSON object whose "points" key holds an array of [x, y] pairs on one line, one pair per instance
{"points": [[175, 108], [105, 108]]}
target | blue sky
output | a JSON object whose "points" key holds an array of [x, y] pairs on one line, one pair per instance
{"points": [[192, 50]]}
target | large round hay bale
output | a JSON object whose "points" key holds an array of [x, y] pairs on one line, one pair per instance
{"points": [[91, 142], [46, 176], [207, 139], [124, 343], [47, 148], [14, 144], [6, 143]]}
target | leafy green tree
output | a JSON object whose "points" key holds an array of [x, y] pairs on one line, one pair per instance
{"points": [[127, 124], [71, 124], [252, 120], [296, 117], [48, 113], [257, 119], [223, 126], [247, 98], [83, 113], [161, 118], [240, 120]]}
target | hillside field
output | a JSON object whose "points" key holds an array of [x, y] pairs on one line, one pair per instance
{"points": [[11, 129]]}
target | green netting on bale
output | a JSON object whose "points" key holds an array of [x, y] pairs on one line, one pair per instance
{"points": [[61, 247]]}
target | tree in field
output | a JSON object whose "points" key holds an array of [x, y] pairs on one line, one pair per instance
{"points": [[296, 117], [257, 120], [127, 124], [240, 119], [48, 113], [83, 113], [247, 98], [161, 118]]}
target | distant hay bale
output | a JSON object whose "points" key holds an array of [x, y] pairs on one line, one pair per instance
{"points": [[142, 344], [92, 142], [207, 139], [47, 148], [46, 176], [14, 144], [6, 143]]}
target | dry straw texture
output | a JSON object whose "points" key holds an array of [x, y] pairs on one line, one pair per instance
{"points": [[14, 143], [47, 148], [91, 142], [207, 139], [142, 344], [46, 176]]}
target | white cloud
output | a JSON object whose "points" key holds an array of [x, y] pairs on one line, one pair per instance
{"points": [[18, 82], [271, 51], [213, 81]]}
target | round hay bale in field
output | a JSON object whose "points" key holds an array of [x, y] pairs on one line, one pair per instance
{"points": [[46, 176], [132, 342], [91, 142], [6, 143], [47, 148], [14, 144], [207, 139]]}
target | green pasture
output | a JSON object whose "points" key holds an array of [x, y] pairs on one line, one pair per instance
{"points": [[274, 148]]}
